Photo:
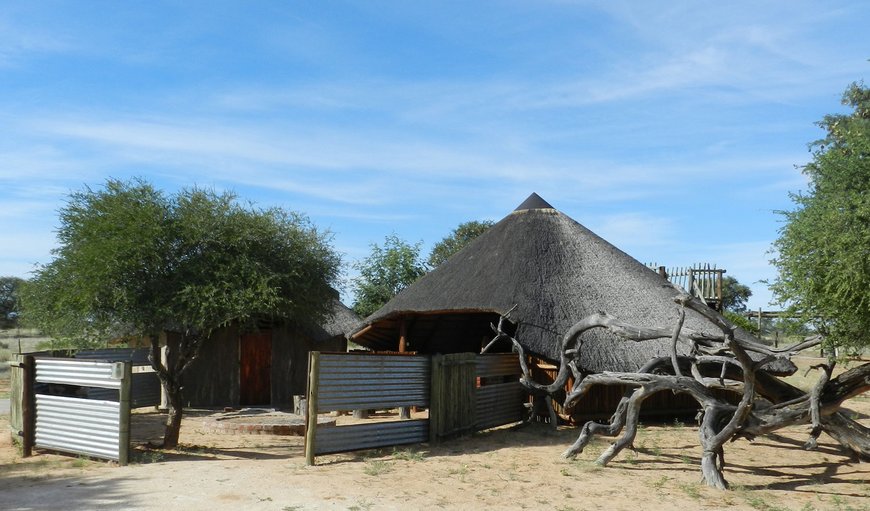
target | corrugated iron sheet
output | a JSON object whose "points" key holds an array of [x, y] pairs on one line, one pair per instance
{"points": [[145, 391], [370, 436], [500, 364], [79, 426], [369, 382], [139, 356], [499, 404], [76, 372]]}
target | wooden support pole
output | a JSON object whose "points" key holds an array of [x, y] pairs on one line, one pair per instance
{"points": [[28, 407], [436, 404], [124, 413], [311, 409], [759, 322], [404, 411], [403, 336], [691, 283]]}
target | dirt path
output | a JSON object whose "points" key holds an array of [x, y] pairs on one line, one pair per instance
{"points": [[508, 468]]}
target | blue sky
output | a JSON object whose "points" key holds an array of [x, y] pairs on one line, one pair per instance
{"points": [[672, 129]]}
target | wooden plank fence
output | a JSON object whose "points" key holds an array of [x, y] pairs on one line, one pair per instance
{"points": [[701, 280]]}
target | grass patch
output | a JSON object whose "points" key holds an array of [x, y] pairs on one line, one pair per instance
{"points": [[692, 490], [408, 455], [760, 502], [659, 483], [362, 505], [377, 467]]}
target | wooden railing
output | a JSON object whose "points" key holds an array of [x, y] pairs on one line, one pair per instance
{"points": [[700, 280]]}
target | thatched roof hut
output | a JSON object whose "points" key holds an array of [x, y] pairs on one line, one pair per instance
{"points": [[556, 272]]}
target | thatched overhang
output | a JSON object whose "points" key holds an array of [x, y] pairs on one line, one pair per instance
{"points": [[553, 272]]}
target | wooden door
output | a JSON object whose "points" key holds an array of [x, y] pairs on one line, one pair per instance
{"points": [[255, 373]]}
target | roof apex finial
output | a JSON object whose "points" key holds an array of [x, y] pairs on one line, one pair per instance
{"points": [[534, 201]]}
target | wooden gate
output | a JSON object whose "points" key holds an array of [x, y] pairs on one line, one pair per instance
{"points": [[453, 398], [255, 369]]}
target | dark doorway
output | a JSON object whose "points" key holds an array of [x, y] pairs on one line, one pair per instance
{"points": [[255, 373]]}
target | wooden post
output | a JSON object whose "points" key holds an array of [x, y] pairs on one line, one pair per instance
{"points": [[164, 359], [124, 412], [435, 398], [311, 409], [404, 411], [663, 272], [719, 289], [403, 336], [691, 282], [28, 407], [759, 322]]}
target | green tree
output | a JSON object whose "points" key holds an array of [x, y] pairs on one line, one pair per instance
{"points": [[385, 272], [457, 240], [132, 257], [823, 249], [10, 288], [734, 295]]}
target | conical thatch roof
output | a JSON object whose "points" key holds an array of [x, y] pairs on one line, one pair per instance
{"points": [[339, 322], [556, 272]]}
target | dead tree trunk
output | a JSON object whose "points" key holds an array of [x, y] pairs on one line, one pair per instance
{"points": [[720, 421]]}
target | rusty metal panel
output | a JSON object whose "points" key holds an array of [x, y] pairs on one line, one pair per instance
{"points": [[79, 426], [76, 372], [370, 436], [499, 404], [368, 382], [500, 364]]}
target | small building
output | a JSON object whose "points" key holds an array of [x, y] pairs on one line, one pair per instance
{"points": [[265, 366], [549, 272]]}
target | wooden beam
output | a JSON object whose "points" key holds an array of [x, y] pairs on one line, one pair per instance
{"points": [[403, 336], [311, 409], [28, 407]]}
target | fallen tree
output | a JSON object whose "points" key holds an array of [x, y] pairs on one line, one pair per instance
{"points": [[766, 403]]}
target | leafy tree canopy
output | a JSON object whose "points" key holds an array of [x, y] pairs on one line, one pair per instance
{"points": [[133, 260], [135, 257], [386, 271], [457, 240], [9, 311], [734, 295], [823, 249]]}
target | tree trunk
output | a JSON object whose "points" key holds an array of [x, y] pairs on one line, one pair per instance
{"points": [[173, 419], [179, 355]]}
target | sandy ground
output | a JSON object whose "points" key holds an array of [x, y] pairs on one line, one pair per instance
{"points": [[506, 468]]}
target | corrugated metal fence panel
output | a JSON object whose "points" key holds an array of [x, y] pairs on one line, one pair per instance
{"points": [[499, 404], [76, 372], [139, 356], [371, 436], [499, 364], [79, 426], [145, 391], [369, 382]]}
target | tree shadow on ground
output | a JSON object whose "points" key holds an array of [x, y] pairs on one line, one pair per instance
{"points": [[35, 486]]}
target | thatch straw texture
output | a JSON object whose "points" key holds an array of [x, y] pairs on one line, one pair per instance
{"points": [[556, 272]]}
